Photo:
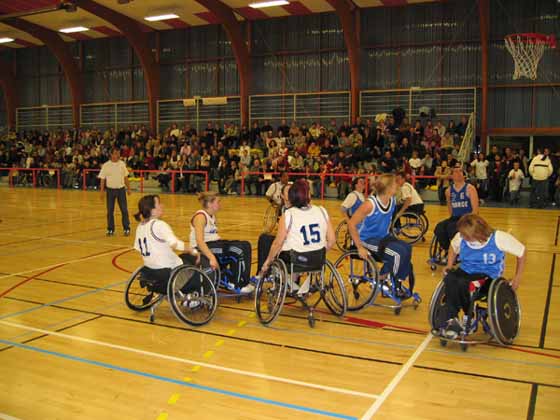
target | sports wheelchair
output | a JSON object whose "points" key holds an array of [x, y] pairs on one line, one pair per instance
{"points": [[271, 216], [438, 255], [363, 284], [494, 308], [343, 238], [192, 291], [309, 269], [410, 227]]}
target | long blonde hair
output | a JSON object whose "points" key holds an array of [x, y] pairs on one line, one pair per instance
{"points": [[475, 227], [205, 198]]}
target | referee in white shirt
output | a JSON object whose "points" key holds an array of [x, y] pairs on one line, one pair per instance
{"points": [[114, 178]]}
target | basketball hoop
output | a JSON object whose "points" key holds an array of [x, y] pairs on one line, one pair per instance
{"points": [[527, 50]]}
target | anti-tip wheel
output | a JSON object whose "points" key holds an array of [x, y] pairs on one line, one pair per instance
{"points": [[398, 310], [442, 342], [433, 267], [464, 346], [311, 321]]}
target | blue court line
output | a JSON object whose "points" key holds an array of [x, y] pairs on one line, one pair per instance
{"points": [[179, 382], [55, 302]]}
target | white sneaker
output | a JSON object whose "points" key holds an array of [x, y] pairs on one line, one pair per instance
{"points": [[248, 289], [304, 288]]}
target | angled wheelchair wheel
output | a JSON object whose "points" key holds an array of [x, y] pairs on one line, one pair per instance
{"points": [[192, 295], [437, 314], [504, 311], [139, 294], [334, 293], [426, 222], [270, 292], [360, 279], [270, 218], [343, 239], [409, 227]]}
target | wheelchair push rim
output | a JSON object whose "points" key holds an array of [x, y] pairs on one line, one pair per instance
{"points": [[270, 292], [334, 293], [504, 312], [270, 218], [137, 295], [411, 230], [192, 295], [360, 279], [343, 239], [437, 314]]}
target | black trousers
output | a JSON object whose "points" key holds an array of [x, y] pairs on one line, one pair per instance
{"points": [[118, 194], [240, 249], [457, 291], [445, 231], [263, 248]]}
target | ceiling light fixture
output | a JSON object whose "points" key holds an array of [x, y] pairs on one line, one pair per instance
{"points": [[5, 40], [73, 29], [263, 4], [161, 17]]}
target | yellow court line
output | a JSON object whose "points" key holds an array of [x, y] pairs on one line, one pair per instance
{"points": [[219, 343], [197, 364], [231, 332], [173, 399], [208, 354], [162, 416], [241, 323]]}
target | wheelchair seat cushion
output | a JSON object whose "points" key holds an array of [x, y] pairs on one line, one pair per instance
{"points": [[308, 261], [156, 280]]}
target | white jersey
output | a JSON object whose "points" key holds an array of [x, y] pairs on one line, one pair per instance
{"points": [[156, 241], [274, 192], [307, 229], [406, 191], [210, 229]]}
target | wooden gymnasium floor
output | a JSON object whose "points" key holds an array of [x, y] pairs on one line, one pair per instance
{"points": [[70, 349]]}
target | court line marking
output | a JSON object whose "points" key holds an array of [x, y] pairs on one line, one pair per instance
{"points": [[86, 258], [179, 382], [398, 377], [4, 416], [62, 300], [193, 362]]}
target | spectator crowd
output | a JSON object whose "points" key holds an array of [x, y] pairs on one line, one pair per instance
{"points": [[230, 154]]}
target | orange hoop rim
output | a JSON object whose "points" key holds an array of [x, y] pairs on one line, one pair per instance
{"points": [[532, 38]]}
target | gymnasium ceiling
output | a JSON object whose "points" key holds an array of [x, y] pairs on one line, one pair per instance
{"points": [[190, 13]]}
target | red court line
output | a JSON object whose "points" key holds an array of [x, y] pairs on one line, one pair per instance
{"points": [[116, 264], [15, 286], [46, 237], [5, 292]]}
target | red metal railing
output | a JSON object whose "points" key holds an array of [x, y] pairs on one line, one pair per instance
{"points": [[34, 171], [307, 175], [140, 173]]}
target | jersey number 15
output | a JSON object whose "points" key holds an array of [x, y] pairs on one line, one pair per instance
{"points": [[311, 234]]}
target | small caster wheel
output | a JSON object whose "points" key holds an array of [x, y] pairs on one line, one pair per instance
{"points": [[464, 347], [398, 310], [239, 299], [415, 305], [433, 267], [311, 321], [423, 239], [152, 318], [442, 342]]}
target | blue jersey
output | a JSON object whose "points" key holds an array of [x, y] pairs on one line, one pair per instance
{"points": [[357, 203], [376, 224], [488, 259], [460, 201]]}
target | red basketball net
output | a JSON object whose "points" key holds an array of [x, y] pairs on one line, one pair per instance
{"points": [[527, 50]]}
